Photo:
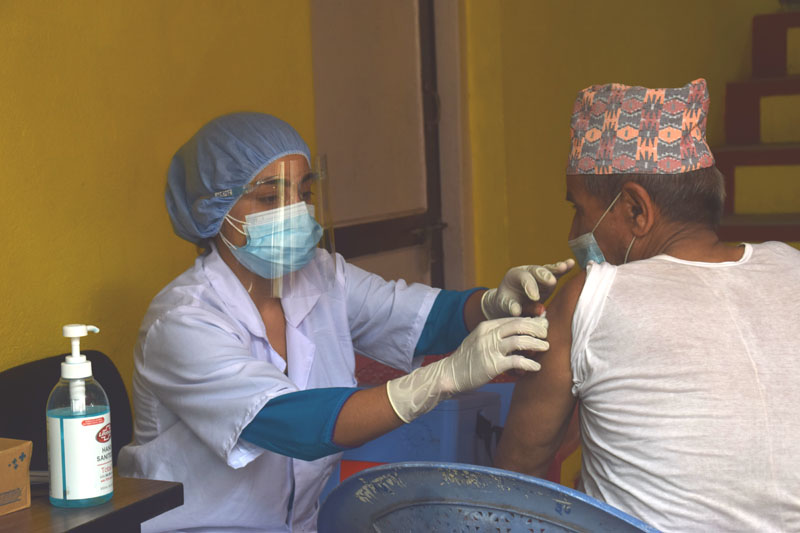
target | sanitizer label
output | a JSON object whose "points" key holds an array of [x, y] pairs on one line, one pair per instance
{"points": [[79, 456]]}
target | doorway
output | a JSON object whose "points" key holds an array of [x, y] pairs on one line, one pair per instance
{"points": [[387, 93]]}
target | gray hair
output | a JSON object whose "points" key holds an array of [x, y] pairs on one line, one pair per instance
{"points": [[696, 197]]}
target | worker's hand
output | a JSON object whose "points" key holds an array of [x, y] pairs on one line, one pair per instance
{"points": [[522, 286], [485, 354]]}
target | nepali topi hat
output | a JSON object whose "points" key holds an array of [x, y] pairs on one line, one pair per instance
{"points": [[621, 129]]}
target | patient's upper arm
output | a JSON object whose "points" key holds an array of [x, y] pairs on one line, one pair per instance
{"points": [[543, 403]]}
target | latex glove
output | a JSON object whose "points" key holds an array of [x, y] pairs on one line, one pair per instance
{"points": [[521, 285], [484, 355]]}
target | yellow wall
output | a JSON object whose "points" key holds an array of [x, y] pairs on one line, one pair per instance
{"points": [[95, 97], [526, 62]]}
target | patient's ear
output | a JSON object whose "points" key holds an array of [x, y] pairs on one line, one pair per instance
{"points": [[639, 209]]}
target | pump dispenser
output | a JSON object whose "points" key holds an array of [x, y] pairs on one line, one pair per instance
{"points": [[79, 431], [76, 368]]}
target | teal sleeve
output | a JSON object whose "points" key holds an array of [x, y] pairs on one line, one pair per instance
{"points": [[299, 424], [444, 328]]}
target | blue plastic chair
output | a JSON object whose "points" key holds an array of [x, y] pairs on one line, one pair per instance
{"points": [[453, 497]]}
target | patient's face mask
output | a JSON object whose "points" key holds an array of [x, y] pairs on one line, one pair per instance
{"points": [[585, 247]]}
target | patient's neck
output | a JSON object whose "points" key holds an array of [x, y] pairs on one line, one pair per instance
{"points": [[692, 242]]}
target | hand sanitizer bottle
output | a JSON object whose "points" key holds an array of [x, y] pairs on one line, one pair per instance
{"points": [[79, 432]]}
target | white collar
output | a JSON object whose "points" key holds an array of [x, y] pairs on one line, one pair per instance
{"points": [[299, 298]]}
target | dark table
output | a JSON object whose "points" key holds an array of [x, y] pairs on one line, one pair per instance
{"points": [[134, 501]]}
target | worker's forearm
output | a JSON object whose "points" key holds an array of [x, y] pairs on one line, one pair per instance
{"points": [[314, 423], [473, 314], [366, 415]]}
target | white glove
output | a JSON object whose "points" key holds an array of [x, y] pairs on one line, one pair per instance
{"points": [[482, 356], [520, 285]]}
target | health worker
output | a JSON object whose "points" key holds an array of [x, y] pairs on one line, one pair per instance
{"points": [[244, 387]]}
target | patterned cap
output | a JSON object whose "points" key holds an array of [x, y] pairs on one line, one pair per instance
{"points": [[617, 129]]}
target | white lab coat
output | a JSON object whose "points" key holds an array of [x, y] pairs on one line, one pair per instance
{"points": [[204, 368]]}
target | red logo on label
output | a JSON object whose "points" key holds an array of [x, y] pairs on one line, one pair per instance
{"points": [[92, 421], [104, 435]]}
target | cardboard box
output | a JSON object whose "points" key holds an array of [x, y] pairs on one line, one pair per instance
{"points": [[15, 482]]}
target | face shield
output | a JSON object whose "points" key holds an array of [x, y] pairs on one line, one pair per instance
{"points": [[280, 229]]}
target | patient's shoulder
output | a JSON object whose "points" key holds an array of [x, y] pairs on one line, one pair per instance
{"points": [[566, 298]]}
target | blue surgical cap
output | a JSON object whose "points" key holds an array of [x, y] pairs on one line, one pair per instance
{"points": [[227, 152]]}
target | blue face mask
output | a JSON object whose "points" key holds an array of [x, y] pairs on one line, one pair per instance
{"points": [[279, 241], [585, 247]]}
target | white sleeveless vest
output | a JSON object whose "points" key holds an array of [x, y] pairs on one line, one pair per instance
{"points": [[688, 376]]}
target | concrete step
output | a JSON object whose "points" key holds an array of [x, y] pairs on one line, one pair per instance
{"points": [[780, 119], [763, 190], [760, 228], [749, 170], [761, 162], [743, 110], [776, 44], [793, 52]]}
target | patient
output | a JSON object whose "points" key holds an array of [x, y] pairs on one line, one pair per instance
{"points": [[683, 351]]}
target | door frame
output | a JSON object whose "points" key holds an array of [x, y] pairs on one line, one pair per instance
{"points": [[446, 225]]}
